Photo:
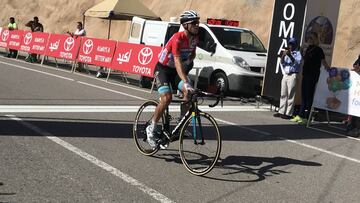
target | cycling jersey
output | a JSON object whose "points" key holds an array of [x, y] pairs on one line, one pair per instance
{"points": [[178, 45]]}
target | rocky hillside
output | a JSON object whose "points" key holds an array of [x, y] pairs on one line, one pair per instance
{"points": [[61, 15]]}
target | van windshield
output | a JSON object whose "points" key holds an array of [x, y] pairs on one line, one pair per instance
{"points": [[238, 39]]}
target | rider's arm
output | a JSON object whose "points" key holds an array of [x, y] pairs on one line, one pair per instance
{"points": [[180, 68], [175, 48]]}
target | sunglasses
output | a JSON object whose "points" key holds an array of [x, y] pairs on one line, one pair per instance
{"points": [[195, 22]]}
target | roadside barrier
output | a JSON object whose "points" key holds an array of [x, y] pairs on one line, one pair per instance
{"points": [[117, 56]]}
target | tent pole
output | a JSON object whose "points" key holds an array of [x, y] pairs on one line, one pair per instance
{"points": [[83, 20], [109, 29]]}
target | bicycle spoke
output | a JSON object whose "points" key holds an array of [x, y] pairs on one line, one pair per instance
{"points": [[199, 158], [142, 120]]}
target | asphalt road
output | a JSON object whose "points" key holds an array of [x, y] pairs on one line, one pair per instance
{"points": [[66, 137]]}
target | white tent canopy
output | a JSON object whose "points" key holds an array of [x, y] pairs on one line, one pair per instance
{"points": [[120, 10]]}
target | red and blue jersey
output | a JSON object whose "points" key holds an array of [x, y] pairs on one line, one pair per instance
{"points": [[178, 45]]}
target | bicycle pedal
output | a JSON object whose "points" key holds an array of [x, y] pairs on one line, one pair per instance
{"points": [[163, 143], [164, 146]]}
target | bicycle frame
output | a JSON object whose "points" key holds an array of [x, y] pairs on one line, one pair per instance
{"points": [[193, 111]]}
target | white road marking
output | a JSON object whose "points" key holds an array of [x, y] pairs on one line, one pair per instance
{"points": [[322, 150], [114, 109], [110, 90], [334, 133], [246, 128], [42, 72], [292, 141], [132, 181], [58, 69]]}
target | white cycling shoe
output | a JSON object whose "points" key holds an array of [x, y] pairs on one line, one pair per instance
{"points": [[153, 137]]}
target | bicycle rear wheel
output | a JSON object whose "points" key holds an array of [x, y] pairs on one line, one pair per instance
{"points": [[142, 120], [200, 143]]}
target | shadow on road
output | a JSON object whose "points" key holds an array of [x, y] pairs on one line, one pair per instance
{"points": [[243, 168], [63, 127], [259, 167], [4, 193]]}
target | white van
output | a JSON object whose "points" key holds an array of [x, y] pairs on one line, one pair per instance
{"points": [[233, 57]]}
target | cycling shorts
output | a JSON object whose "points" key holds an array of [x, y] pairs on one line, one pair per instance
{"points": [[167, 78]]}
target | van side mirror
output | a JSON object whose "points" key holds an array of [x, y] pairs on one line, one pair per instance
{"points": [[211, 47]]}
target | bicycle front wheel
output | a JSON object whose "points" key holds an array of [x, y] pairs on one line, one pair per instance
{"points": [[142, 120], [200, 143]]}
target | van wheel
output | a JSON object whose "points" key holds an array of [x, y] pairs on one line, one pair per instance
{"points": [[221, 81]]}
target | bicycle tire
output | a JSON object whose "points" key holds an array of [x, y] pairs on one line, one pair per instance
{"points": [[139, 128], [195, 161]]}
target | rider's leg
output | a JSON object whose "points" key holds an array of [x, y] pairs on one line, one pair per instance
{"points": [[165, 100], [164, 76], [183, 107]]}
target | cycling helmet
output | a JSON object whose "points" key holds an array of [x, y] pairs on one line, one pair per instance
{"points": [[188, 16]]}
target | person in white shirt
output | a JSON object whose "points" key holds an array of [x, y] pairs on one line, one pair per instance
{"points": [[80, 31]]}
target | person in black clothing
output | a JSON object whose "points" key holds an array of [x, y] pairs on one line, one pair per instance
{"points": [[35, 26], [355, 121], [313, 57]]}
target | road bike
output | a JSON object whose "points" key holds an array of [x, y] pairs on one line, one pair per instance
{"points": [[198, 132]]}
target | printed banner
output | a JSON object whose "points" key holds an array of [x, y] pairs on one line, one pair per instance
{"points": [[96, 51], [338, 90], [288, 18], [136, 58], [5, 35], [321, 18], [63, 46], [15, 39], [34, 42]]}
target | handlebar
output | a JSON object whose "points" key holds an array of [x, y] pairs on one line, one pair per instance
{"points": [[193, 97]]}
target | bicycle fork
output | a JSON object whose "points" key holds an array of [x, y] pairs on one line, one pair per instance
{"points": [[196, 117]]}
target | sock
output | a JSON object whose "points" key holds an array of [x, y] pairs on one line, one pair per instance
{"points": [[153, 125]]}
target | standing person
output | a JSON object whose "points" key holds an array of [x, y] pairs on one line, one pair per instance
{"points": [[290, 59], [314, 57], [12, 26], [79, 32], [179, 51], [355, 121], [35, 26]]}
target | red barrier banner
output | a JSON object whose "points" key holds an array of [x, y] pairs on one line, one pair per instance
{"points": [[62, 46], [136, 58], [34, 42], [15, 38], [96, 51], [5, 35]]}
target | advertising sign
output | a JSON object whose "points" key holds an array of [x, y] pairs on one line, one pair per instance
{"points": [[5, 35], [63, 46], [338, 90], [321, 18], [136, 58], [15, 39], [288, 19], [34, 42], [96, 51]]}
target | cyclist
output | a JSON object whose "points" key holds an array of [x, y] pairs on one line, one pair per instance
{"points": [[179, 52]]}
